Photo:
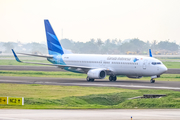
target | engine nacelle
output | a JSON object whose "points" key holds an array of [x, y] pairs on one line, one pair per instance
{"points": [[96, 73], [135, 77]]}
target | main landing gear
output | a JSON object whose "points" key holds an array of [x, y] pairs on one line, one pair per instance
{"points": [[89, 79], [152, 80], [112, 78]]}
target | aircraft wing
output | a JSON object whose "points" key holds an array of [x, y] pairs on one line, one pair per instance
{"points": [[46, 56], [70, 67]]}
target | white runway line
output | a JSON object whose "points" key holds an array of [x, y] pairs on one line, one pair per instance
{"points": [[14, 81]]}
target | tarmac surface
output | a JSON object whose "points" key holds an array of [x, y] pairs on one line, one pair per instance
{"points": [[130, 84], [52, 68], [108, 114]]}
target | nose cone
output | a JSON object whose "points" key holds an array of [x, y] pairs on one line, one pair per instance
{"points": [[163, 69]]}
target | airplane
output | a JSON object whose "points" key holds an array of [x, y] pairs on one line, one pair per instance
{"points": [[98, 66]]}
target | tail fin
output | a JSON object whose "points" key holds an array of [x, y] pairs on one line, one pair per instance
{"points": [[54, 46]]}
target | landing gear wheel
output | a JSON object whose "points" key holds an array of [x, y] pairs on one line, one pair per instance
{"points": [[89, 79], [112, 78], [152, 81]]}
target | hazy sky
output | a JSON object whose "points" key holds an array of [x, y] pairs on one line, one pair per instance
{"points": [[82, 20]]}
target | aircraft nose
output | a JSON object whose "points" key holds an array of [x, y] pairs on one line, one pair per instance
{"points": [[164, 69]]}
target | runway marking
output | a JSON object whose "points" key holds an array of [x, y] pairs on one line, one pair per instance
{"points": [[92, 84]]}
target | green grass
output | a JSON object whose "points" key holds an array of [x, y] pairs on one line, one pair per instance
{"points": [[172, 64], [61, 74], [76, 97]]}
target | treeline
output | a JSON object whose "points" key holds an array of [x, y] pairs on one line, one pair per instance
{"points": [[95, 46], [118, 47], [33, 47]]}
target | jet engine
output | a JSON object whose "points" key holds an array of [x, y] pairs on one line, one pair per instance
{"points": [[96, 73]]}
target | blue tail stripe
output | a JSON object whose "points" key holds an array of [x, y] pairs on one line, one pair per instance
{"points": [[53, 39], [53, 36], [60, 48], [54, 47]]}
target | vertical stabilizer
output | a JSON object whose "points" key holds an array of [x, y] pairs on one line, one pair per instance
{"points": [[54, 46]]}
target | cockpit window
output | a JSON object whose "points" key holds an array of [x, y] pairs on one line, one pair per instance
{"points": [[154, 63]]}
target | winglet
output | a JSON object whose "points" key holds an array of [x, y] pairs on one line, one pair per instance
{"points": [[150, 54], [17, 59]]}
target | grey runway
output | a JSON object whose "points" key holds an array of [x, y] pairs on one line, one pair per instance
{"points": [[97, 114], [131, 84], [53, 68]]}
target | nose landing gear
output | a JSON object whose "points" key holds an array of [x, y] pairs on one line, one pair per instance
{"points": [[152, 80]]}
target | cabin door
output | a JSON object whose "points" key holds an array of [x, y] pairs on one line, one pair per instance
{"points": [[144, 64]]}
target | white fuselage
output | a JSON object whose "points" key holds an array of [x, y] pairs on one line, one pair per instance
{"points": [[120, 64]]}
